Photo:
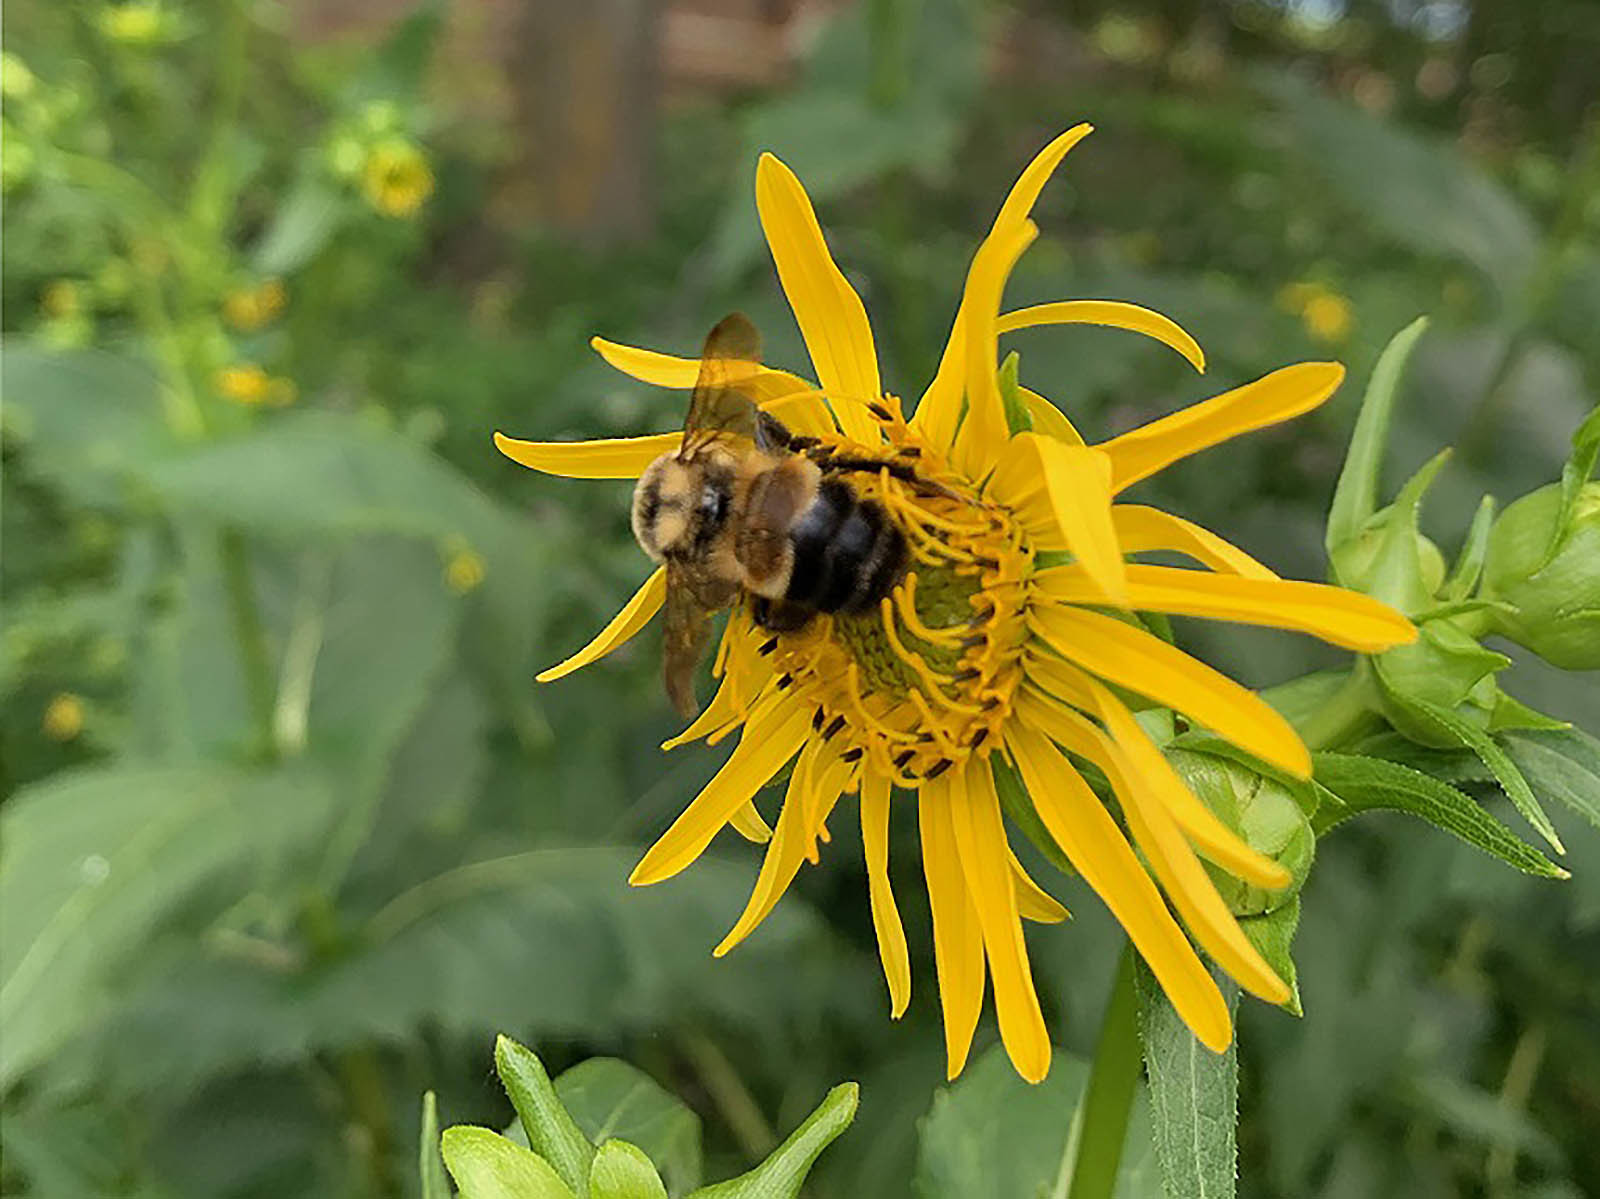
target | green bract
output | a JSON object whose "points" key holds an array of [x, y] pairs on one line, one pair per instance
{"points": [[564, 1163], [1544, 565]]}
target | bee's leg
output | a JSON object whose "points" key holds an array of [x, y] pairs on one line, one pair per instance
{"points": [[772, 435], [871, 466], [779, 616]]}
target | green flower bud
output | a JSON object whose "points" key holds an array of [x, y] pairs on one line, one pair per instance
{"points": [[1357, 561], [1262, 811], [1549, 576]]}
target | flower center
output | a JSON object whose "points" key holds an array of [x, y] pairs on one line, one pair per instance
{"points": [[925, 681]]}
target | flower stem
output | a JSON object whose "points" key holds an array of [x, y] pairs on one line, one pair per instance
{"points": [[248, 630], [1094, 1148]]}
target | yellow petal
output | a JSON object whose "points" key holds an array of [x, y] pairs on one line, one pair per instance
{"points": [[1276, 397], [1033, 901], [784, 853], [1184, 879], [1092, 842], [1050, 420], [1151, 770], [612, 458], [635, 614], [750, 824], [788, 397], [721, 710], [1025, 192], [957, 936], [832, 319], [1140, 529], [1145, 664], [775, 731], [886, 924], [1341, 617], [1078, 480], [939, 411], [983, 433], [1113, 313], [1018, 484], [986, 865]]}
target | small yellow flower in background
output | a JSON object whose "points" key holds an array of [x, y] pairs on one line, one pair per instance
{"points": [[62, 300], [63, 719], [138, 23], [247, 383], [1004, 650], [250, 308], [1327, 315], [396, 178], [465, 571]]}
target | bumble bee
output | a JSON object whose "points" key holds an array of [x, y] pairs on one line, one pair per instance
{"points": [[744, 507]]}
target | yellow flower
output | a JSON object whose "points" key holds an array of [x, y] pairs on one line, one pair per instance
{"points": [[133, 24], [250, 308], [464, 572], [396, 178], [1327, 315], [62, 299], [63, 719], [1004, 647], [247, 383]]}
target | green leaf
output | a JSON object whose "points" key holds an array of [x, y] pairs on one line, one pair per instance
{"points": [[623, 1171], [95, 864], [430, 1163], [1367, 784], [305, 221], [1194, 1098], [1579, 467], [1446, 725], [1018, 418], [1273, 936], [1565, 764], [990, 1135], [487, 1166], [609, 1098], [1469, 564], [551, 1131], [784, 1172], [1355, 498], [1397, 574]]}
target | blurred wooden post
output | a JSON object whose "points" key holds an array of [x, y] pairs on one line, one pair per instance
{"points": [[584, 78]]}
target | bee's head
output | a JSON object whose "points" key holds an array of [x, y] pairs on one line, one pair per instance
{"points": [[663, 503]]}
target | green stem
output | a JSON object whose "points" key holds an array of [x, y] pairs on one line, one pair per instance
{"points": [[247, 628], [1094, 1148], [727, 1090]]}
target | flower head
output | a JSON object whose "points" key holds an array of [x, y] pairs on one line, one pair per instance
{"points": [[396, 178], [1003, 653]]}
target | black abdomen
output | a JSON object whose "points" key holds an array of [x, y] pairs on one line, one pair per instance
{"points": [[847, 552]]}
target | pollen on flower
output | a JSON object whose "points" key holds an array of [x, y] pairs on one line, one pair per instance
{"points": [[924, 682]]}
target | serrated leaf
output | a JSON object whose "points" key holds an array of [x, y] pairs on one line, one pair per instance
{"points": [[784, 1172], [1447, 725], [1355, 498], [430, 1163], [1273, 936], [1565, 764], [95, 863], [623, 1171], [1194, 1098], [487, 1166], [609, 1098], [552, 1134], [1367, 784]]}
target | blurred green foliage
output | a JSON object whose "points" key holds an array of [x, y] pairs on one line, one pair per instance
{"points": [[289, 833]]}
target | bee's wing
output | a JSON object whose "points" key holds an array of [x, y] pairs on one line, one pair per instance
{"points": [[691, 599], [721, 402]]}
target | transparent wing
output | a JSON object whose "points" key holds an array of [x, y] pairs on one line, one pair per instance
{"points": [[721, 403], [691, 599]]}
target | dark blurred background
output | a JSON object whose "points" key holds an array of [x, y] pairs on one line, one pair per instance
{"points": [[290, 832]]}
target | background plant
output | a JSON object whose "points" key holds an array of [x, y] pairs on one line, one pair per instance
{"points": [[289, 835]]}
